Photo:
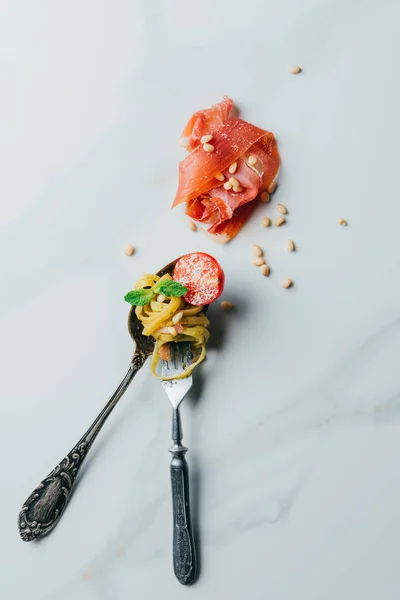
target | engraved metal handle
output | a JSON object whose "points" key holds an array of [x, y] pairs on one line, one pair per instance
{"points": [[44, 507], [183, 549]]}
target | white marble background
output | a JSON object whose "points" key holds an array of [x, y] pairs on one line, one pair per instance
{"points": [[294, 434]]}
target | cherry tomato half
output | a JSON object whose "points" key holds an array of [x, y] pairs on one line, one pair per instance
{"points": [[202, 275]]}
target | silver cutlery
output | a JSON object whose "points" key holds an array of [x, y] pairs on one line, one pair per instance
{"points": [[43, 508], [183, 549]]}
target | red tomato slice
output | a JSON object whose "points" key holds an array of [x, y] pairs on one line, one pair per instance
{"points": [[202, 275]]}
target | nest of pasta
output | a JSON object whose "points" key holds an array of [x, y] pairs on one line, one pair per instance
{"points": [[172, 319]]}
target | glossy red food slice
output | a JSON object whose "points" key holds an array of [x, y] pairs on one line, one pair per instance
{"points": [[219, 204], [234, 140], [225, 231], [209, 209], [202, 275], [266, 151], [249, 180], [205, 122], [198, 170]]}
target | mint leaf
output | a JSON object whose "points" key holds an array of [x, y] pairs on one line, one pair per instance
{"points": [[139, 297], [173, 288]]}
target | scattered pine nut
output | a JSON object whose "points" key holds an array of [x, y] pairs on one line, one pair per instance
{"points": [[233, 181], [279, 221], [252, 160], [264, 196], [220, 177], [232, 168], [129, 250], [295, 70], [227, 185], [237, 188], [205, 139], [171, 330], [161, 298], [257, 250], [176, 318], [225, 305], [264, 269], [192, 226], [282, 209], [290, 245], [287, 283], [265, 222], [271, 188], [208, 147], [257, 262], [342, 221]]}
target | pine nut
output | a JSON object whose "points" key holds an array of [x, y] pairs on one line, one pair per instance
{"points": [[266, 222], [282, 209], [176, 318], [220, 177], [295, 70], [171, 330], [233, 181], [290, 245], [257, 262], [264, 196], [237, 188], [227, 305], [161, 298], [227, 185], [279, 221], [192, 226], [232, 168], [287, 283], [271, 188], [342, 221], [264, 270], [208, 147], [252, 160], [129, 250], [205, 139], [257, 250]]}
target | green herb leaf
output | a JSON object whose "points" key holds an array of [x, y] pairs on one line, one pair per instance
{"points": [[139, 297], [173, 288]]}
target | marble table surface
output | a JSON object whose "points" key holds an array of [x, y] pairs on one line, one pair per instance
{"points": [[294, 423]]}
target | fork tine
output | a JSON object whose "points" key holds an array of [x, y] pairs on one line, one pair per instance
{"points": [[178, 356], [180, 359], [188, 354]]}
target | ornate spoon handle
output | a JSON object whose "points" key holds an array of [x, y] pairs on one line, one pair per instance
{"points": [[44, 507], [183, 549]]}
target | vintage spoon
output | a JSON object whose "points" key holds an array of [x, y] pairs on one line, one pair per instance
{"points": [[44, 507]]}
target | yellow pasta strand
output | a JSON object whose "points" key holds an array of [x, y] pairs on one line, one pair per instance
{"points": [[157, 317]]}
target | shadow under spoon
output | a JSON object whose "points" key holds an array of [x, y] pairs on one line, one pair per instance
{"points": [[43, 508]]}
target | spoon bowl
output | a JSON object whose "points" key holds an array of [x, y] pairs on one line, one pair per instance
{"points": [[145, 344]]}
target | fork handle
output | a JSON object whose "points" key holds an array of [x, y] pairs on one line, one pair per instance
{"points": [[183, 549]]}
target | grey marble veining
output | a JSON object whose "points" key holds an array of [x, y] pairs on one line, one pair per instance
{"points": [[293, 426]]}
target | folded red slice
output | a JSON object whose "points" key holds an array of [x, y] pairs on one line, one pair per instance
{"points": [[203, 122], [226, 230], [204, 176]]}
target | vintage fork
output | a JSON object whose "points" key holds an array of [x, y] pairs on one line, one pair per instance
{"points": [[183, 549]]}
